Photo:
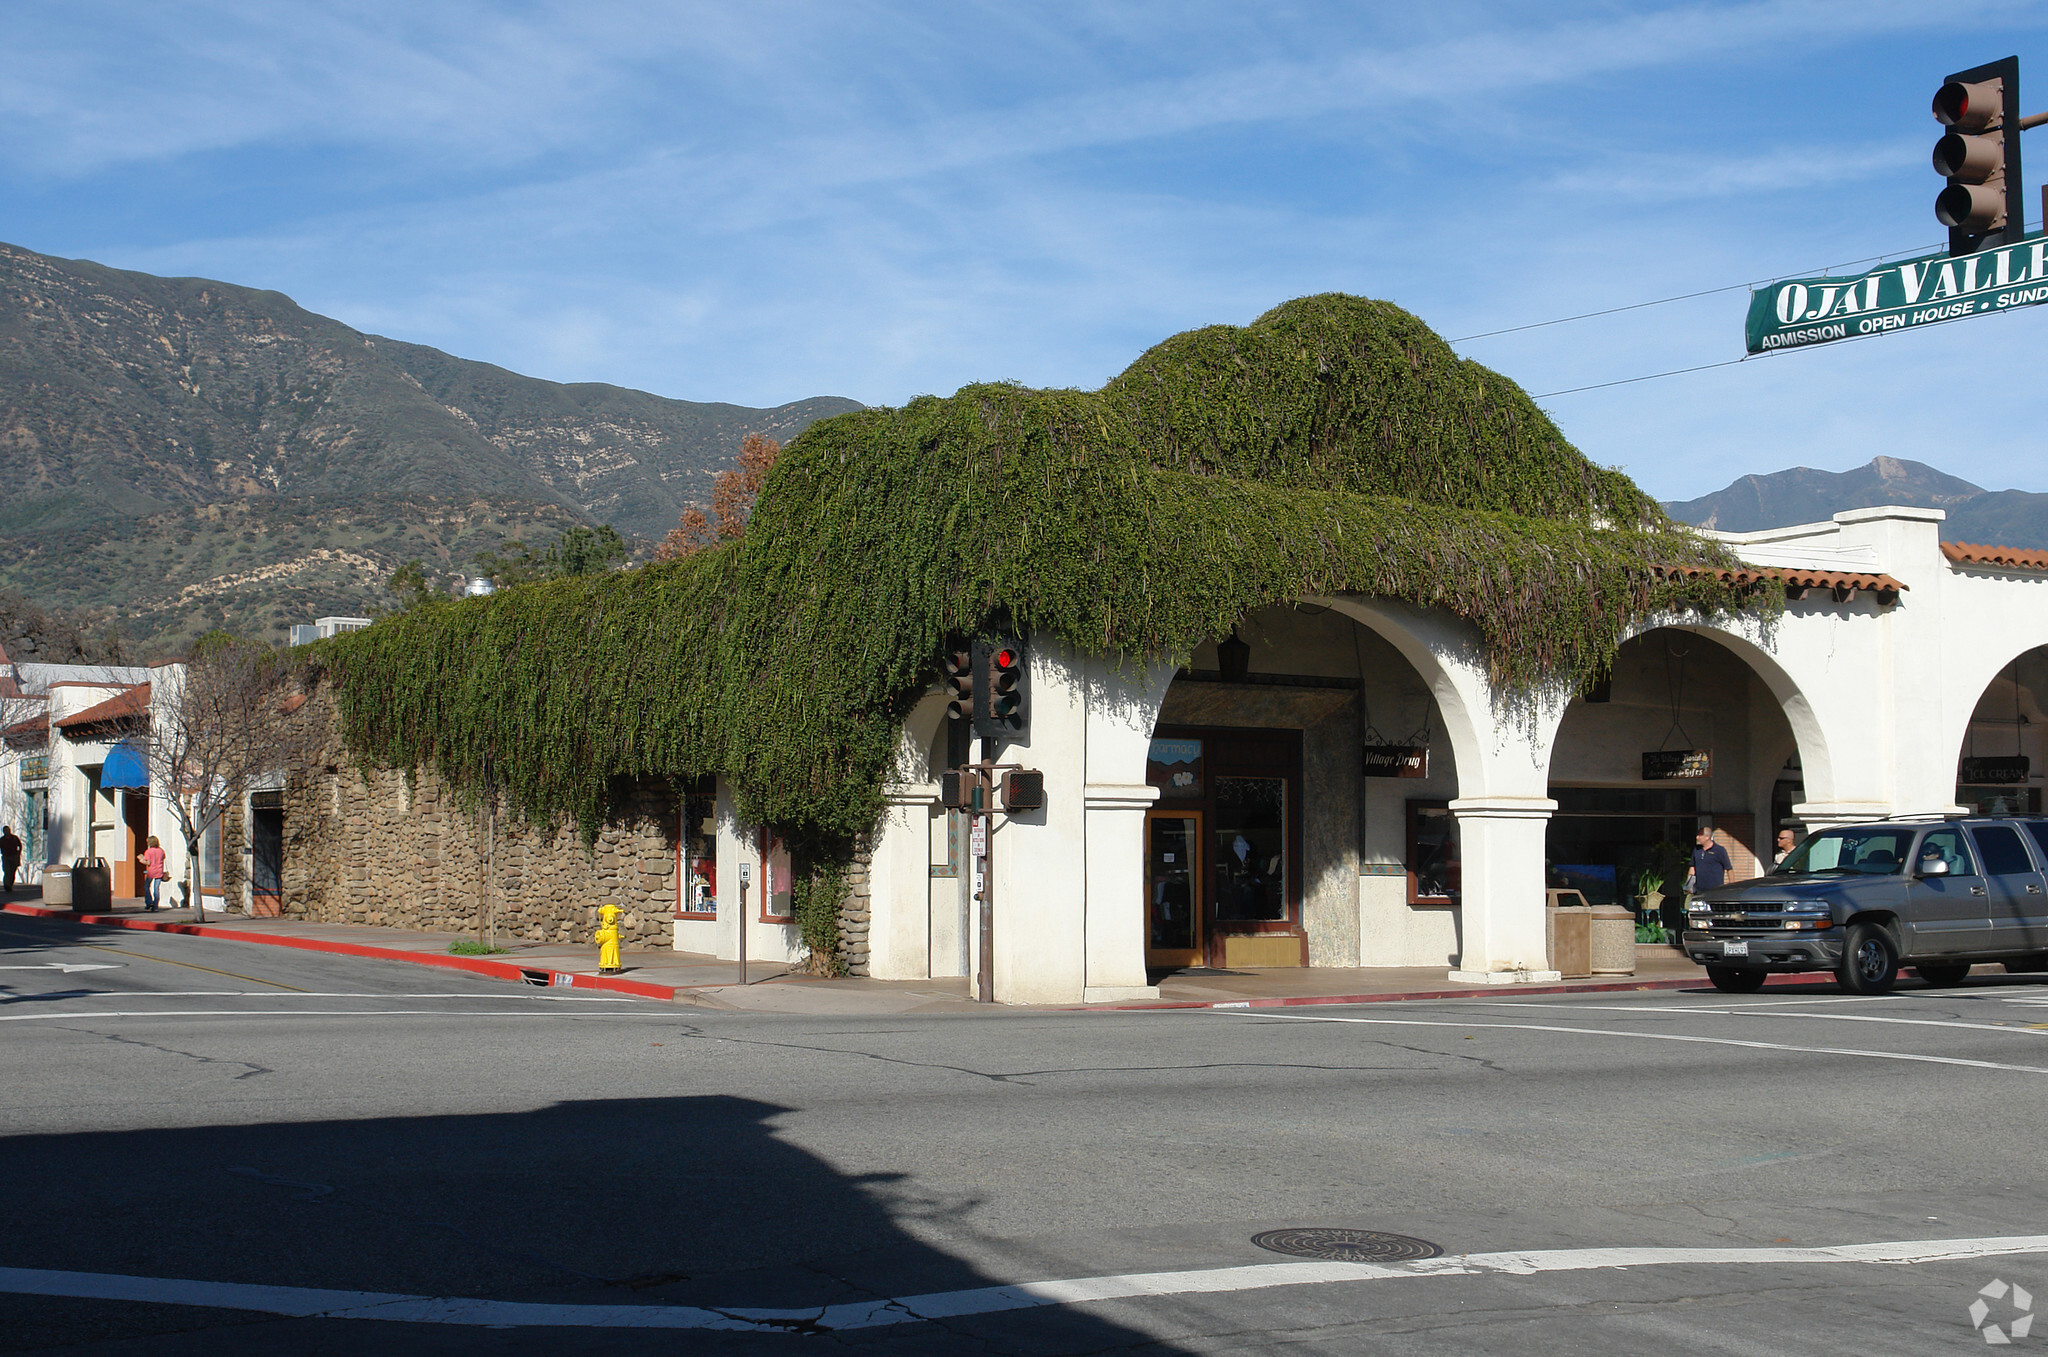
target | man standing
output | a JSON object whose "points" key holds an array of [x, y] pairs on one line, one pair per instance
{"points": [[10, 855], [1710, 863], [1787, 840]]}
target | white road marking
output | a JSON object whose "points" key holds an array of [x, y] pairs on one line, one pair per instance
{"points": [[301, 1013], [1655, 1036], [266, 994], [67, 966], [394, 1307], [1745, 1010]]}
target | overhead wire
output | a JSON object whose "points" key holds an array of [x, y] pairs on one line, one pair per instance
{"points": [[1820, 272]]}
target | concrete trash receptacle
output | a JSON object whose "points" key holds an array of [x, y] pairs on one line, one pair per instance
{"points": [[1568, 928], [57, 886], [1614, 940], [92, 885]]}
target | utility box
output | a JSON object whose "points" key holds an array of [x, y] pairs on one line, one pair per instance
{"points": [[92, 885]]}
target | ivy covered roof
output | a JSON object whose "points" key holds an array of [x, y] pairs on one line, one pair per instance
{"points": [[1335, 444]]}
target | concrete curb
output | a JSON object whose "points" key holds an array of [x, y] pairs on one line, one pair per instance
{"points": [[537, 975], [496, 970], [1465, 992]]}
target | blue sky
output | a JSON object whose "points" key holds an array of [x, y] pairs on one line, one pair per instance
{"points": [[759, 202]]}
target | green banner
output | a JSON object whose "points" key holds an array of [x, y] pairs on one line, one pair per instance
{"points": [[1925, 291]]}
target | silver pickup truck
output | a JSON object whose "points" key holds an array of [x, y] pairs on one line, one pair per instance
{"points": [[1939, 895]]}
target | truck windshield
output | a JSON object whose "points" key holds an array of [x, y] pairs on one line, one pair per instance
{"points": [[1868, 850]]}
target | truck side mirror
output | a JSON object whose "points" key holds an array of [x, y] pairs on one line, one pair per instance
{"points": [[1934, 867]]}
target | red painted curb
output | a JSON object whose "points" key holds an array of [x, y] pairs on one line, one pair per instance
{"points": [[496, 970]]}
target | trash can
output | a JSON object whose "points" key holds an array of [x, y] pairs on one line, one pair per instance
{"points": [[92, 885], [57, 885], [1568, 928], [1614, 940]]}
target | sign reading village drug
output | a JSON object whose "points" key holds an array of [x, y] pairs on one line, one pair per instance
{"points": [[1923, 291]]}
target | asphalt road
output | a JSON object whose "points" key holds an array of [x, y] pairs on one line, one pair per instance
{"points": [[222, 1148]]}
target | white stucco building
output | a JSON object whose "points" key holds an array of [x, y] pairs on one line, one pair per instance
{"points": [[1191, 820]]}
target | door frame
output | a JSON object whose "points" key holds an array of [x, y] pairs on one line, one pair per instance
{"points": [[1176, 958]]}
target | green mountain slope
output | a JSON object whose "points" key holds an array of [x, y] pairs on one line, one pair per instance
{"points": [[181, 451], [2009, 518]]}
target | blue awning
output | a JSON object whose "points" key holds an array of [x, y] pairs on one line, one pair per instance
{"points": [[125, 767]]}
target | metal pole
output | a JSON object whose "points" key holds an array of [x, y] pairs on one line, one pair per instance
{"points": [[745, 871], [985, 972]]}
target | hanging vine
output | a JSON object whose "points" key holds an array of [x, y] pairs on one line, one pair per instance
{"points": [[1335, 444]]}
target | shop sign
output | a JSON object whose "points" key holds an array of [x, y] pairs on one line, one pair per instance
{"points": [[1175, 768], [1923, 291], [1673, 765], [1396, 760], [2010, 771], [35, 769]]}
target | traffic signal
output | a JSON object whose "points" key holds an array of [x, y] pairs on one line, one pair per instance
{"points": [[1023, 789], [959, 670], [1002, 690], [1983, 204], [965, 789]]}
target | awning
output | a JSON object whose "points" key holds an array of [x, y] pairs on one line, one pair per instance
{"points": [[125, 767]]}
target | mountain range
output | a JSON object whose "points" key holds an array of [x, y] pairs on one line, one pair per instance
{"points": [[183, 453], [2006, 518]]}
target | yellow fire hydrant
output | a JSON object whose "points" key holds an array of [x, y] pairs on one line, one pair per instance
{"points": [[608, 941]]}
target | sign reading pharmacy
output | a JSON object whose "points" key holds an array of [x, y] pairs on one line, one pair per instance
{"points": [[1924, 291]]}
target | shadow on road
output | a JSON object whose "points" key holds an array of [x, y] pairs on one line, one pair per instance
{"points": [[684, 1200]]}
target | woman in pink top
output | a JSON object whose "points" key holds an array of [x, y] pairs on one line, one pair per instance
{"points": [[152, 872]]}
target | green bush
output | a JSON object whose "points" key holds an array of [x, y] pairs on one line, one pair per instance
{"points": [[1335, 444]]}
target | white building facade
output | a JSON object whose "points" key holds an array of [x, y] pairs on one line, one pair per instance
{"points": [[1241, 812]]}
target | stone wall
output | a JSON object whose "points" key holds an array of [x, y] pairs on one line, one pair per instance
{"points": [[374, 847], [855, 911]]}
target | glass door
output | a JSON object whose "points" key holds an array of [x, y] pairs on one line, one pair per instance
{"points": [[1173, 905]]}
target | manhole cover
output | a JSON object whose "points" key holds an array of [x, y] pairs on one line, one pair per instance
{"points": [[1347, 1246]]}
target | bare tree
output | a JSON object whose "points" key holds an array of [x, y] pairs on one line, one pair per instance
{"points": [[229, 718]]}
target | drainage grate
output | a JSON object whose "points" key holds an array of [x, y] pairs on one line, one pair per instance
{"points": [[1347, 1246]]}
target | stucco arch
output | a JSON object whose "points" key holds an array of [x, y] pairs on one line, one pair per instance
{"points": [[1980, 666], [1816, 759]]}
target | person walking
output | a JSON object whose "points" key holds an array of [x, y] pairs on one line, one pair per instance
{"points": [[10, 855], [152, 874]]}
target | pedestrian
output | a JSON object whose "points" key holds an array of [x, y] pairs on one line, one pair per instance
{"points": [[1710, 864], [10, 854], [1787, 840], [152, 874]]}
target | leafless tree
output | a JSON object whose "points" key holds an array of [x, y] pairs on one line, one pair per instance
{"points": [[227, 720]]}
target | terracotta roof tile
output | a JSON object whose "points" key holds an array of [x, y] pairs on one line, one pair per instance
{"points": [[126, 705], [1842, 582], [2013, 558]]}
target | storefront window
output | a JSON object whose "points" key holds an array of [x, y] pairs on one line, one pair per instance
{"points": [[1432, 854], [209, 858], [777, 901], [1249, 848]]}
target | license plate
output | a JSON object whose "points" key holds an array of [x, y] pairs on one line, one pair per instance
{"points": [[1734, 949]]}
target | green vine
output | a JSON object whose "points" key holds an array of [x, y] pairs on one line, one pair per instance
{"points": [[815, 897], [1335, 444]]}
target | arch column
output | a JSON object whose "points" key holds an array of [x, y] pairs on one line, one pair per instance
{"points": [[1503, 938]]}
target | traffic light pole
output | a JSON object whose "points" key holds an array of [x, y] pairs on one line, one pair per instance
{"points": [[984, 894]]}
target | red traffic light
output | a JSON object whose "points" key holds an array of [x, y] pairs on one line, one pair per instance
{"points": [[1971, 107]]}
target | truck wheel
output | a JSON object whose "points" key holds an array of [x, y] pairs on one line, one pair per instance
{"points": [[1942, 974], [1737, 979], [1869, 964]]}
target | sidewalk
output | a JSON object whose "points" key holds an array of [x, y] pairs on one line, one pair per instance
{"points": [[692, 978]]}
